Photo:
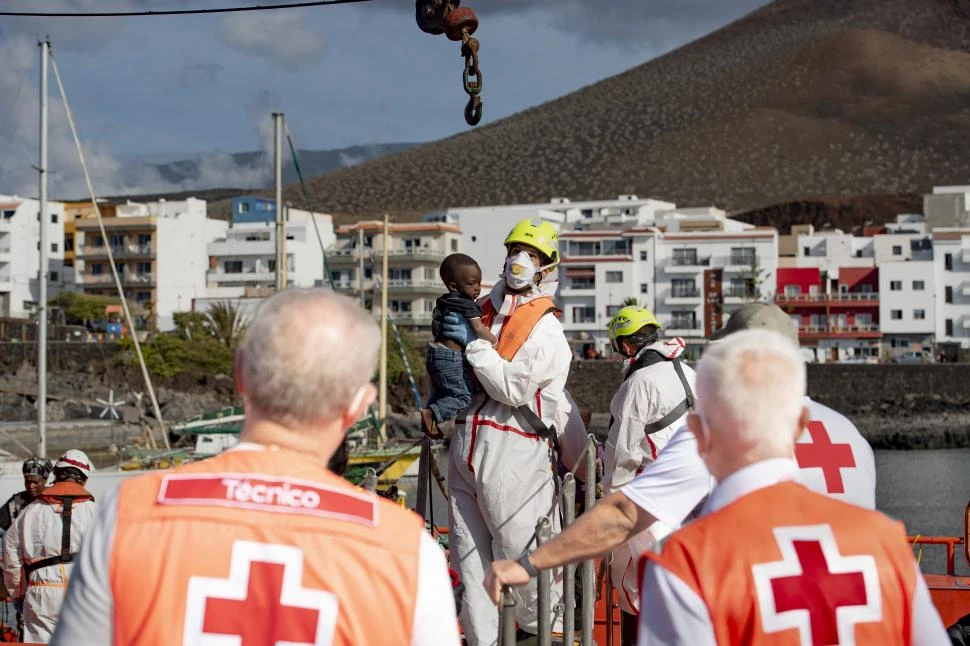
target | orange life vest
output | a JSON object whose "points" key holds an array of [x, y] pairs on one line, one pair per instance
{"points": [[783, 555], [519, 324], [264, 545]]}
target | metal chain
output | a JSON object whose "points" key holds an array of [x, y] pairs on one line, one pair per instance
{"points": [[471, 79]]}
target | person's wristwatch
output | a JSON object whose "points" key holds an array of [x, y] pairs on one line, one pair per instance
{"points": [[527, 564]]}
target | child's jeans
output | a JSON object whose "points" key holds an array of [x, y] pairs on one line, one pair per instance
{"points": [[451, 386]]}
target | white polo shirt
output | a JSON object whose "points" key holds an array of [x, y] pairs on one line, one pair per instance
{"points": [[833, 458]]}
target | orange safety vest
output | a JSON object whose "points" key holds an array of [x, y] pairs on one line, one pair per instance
{"points": [[518, 325], [263, 545], [784, 559]]}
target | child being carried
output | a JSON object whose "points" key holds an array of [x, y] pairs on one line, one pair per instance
{"points": [[451, 385]]}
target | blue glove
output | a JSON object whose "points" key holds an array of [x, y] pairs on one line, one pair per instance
{"points": [[457, 328]]}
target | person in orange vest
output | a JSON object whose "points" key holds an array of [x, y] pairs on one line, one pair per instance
{"points": [[769, 561], [39, 549], [262, 544], [502, 471]]}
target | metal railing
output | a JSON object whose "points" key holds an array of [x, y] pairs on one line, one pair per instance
{"points": [[848, 297], [565, 502], [685, 292], [690, 261]]}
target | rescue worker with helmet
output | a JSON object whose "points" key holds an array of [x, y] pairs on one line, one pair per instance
{"points": [[36, 473], [650, 404], [262, 544], [501, 467], [39, 549], [832, 456], [769, 561]]}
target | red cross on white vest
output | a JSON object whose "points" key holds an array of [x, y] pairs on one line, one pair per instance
{"points": [[822, 453], [816, 590], [262, 603]]}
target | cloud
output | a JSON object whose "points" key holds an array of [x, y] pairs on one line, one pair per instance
{"points": [[280, 36], [200, 74], [70, 34], [620, 22]]}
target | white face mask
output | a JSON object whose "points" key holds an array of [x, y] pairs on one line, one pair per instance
{"points": [[520, 272]]}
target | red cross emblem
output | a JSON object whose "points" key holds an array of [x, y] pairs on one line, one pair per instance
{"points": [[822, 454], [262, 603], [815, 590]]}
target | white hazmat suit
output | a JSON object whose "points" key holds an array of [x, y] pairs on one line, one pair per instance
{"points": [[501, 477], [643, 398], [36, 535]]}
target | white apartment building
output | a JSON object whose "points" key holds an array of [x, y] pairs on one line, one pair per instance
{"points": [[484, 227], [20, 254], [947, 207], [414, 251], [907, 308], [951, 260], [692, 269], [245, 258], [160, 253]]}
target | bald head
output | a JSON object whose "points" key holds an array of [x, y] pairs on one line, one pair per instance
{"points": [[750, 394], [306, 357]]}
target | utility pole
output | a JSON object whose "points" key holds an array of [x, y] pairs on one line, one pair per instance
{"points": [[280, 221], [382, 399], [360, 265], [42, 218]]}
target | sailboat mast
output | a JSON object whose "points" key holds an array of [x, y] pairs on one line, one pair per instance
{"points": [[43, 264], [280, 220], [382, 392]]}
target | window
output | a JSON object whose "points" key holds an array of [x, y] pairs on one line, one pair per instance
{"points": [[685, 257], [615, 247], [412, 243], [98, 241], [614, 276], [574, 248], [400, 306], [272, 265], [97, 270], [146, 238], [584, 314], [583, 283], [644, 288], [806, 251], [797, 320], [683, 288], [865, 289], [399, 274], [948, 262], [897, 250], [793, 290], [244, 207], [683, 320], [429, 306], [611, 310], [141, 297], [144, 268], [919, 285], [948, 294], [895, 285], [119, 267], [741, 288], [368, 273], [54, 276], [896, 315], [117, 241], [643, 256], [743, 256], [949, 327], [233, 266], [863, 320], [53, 218], [53, 247], [919, 315], [454, 245], [68, 243]]}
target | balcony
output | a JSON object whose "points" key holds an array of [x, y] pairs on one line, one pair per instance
{"points": [[682, 328], [5, 254], [736, 295], [576, 287], [839, 332], [128, 279], [240, 248], [117, 251], [738, 263], [247, 276], [411, 318], [689, 265], [347, 257], [683, 296], [841, 299]]}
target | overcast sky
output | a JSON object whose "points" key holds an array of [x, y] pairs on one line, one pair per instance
{"points": [[344, 75]]}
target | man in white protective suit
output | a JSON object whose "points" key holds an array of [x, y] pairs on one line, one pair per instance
{"points": [[502, 466]]}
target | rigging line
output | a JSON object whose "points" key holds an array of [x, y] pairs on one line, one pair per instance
{"points": [[111, 260], [177, 12], [327, 276], [12, 112]]}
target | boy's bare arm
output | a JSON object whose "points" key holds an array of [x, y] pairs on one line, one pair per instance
{"points": [[482, 332]]}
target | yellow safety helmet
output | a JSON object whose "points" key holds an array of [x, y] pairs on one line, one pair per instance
{"points": [[538, 234], [629, 320]]}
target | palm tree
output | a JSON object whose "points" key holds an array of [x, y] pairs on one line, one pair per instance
{"points": [[631, 301], [226, 324]]}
